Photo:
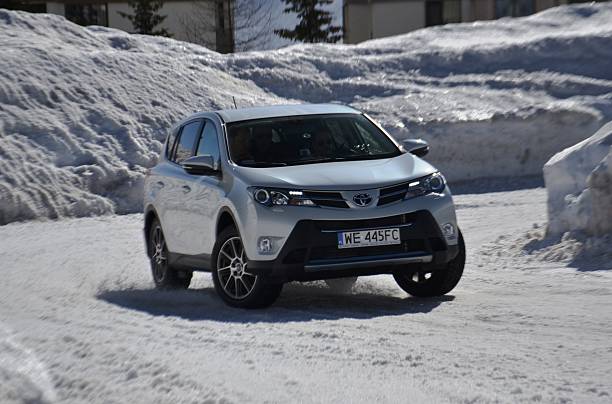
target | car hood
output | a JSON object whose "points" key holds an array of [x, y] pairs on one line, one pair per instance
{"points": [[341, 175]]}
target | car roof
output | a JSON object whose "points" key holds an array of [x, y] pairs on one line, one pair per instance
{"points": [[275, 111]]}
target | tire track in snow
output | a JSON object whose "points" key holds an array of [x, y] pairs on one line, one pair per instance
{"points": [[23, 378]]}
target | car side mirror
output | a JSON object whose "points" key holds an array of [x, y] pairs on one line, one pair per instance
{"points": [[200, 165], [418, 147]]}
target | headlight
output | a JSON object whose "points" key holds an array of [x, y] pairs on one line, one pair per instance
{"points": [[432, 184], [262, 196], [276, 197], [435, 183]]}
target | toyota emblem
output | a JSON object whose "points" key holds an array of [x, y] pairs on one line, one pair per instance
{"points": [[362, 199]]}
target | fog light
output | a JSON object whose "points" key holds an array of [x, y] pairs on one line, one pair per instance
{"points": [[264, 245], [449, 230]]}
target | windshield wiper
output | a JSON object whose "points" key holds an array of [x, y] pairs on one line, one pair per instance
{"points": [[371, 156], [261, 164], [317, 160]]}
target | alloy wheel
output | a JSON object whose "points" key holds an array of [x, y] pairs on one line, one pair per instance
{"points": [[420, 277], [232, 271], [158, 257]]}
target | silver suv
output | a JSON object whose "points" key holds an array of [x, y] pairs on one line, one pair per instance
{"points": [[264, 196]]}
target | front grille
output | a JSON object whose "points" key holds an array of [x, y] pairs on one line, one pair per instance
{"points": [[398, 192], [331, 204], [387, 195], [326, 199], [365, 223], [394, 189], [393, 194], [390, 199]]}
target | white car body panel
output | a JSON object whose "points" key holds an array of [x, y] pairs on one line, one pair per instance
{"points": [[189, 217]]}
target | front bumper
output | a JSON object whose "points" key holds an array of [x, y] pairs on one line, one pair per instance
{"points": [[311, 251], [255, 220]]}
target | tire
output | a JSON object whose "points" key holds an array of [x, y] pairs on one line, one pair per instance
{"points": [[438, 283], [233, 283], [164, 276], [341, 285]]}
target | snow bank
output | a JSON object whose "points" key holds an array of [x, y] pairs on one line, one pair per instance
{"points": [[579, 184], [83, 111]]}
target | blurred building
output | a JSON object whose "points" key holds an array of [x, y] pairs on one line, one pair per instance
{"points": [[206, 22], [368, 19]]}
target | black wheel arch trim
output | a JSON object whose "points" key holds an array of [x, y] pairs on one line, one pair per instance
{"points": [[149, 214], [222, 212]]}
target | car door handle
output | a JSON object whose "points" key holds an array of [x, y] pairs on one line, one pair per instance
{"points": [[186, 189]]}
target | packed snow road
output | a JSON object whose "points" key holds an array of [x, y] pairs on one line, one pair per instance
{"points": [[80, 322]]}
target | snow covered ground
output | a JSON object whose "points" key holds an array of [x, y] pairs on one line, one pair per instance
{"points": [[80, 322], [83, 111]]}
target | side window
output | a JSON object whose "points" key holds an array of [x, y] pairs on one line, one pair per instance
{"points": [[186, 142], [170, 143], [208, 142]]}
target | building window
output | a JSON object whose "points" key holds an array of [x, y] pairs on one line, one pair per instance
{"points": [[221, 14], [87, 14], [438, 12], [29, 6], [513, 8]]}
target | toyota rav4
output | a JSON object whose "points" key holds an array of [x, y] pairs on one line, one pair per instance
{"points": [[264, 196]]}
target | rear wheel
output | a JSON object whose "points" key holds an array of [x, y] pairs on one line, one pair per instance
{"points": [[164, 276], [425, 283], [232, 279], [341, 285]]}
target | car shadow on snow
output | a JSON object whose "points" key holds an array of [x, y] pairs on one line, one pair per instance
{"points": [[298, 302]]}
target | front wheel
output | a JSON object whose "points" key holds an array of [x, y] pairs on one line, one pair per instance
{"points": [[429, 284], [233, 282]]}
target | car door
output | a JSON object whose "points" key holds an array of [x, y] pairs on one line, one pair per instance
{"points": [[177, 193], [156, 182], [205, 196]]}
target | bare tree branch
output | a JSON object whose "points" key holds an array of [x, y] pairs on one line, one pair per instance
{"points": [[199, 23], [252, 23]]}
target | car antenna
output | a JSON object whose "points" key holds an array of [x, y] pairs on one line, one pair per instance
{"points": [[234, 98]]}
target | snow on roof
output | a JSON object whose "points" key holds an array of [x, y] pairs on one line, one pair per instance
{"points": [[274, 111]]}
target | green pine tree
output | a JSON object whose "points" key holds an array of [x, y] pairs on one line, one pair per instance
{"points": [[145, 17], [315, 23]]}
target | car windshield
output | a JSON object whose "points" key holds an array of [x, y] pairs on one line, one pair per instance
{"points": [[306, 140]]}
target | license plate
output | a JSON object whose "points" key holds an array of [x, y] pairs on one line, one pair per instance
{"points": [[368, 238]]}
